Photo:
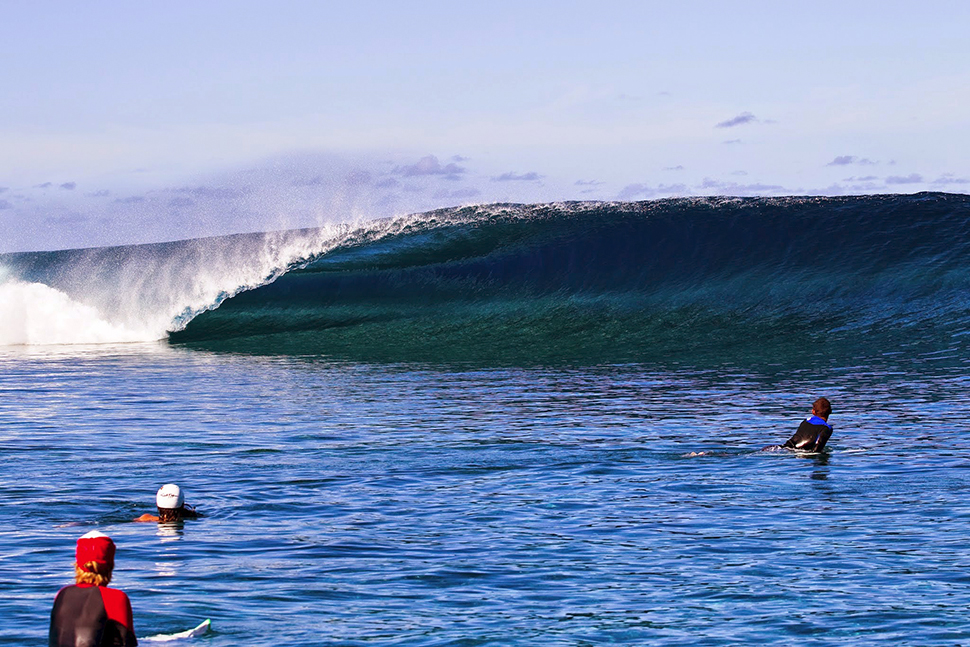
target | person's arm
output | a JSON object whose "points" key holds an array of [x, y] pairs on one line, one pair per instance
{"points": [[802, 437], [823, 437], [118, 607]]}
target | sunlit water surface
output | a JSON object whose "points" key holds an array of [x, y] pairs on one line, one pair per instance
{"points": [[351, 504]]}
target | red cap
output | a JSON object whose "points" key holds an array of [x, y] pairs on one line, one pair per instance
{"points": [[95, 547]]}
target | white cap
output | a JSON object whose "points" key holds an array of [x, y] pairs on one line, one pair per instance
{"points": [[94, 534], [169, 497]]}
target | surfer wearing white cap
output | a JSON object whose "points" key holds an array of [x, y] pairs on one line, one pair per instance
{"points": [[171, 506], [88, 612]]}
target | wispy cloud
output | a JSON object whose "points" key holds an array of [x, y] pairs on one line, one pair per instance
{"points": [[45, 185], [740, 120], [429, 165], [5, 205], [674, 168], [458, 194], [632, 191], [732, 141], [950, 178], [3, 189], [587, 183], [531, 176], [71, 219], [69, 186], [210, 192], [733, 188], [358, 178], [316, 180], [132, 199], [845, 160], [103, 193], [912, 178]]}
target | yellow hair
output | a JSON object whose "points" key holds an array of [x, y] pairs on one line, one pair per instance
{"points": [[90, 575]]}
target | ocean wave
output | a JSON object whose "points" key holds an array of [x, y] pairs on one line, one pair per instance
{"points": [[584, 281]]}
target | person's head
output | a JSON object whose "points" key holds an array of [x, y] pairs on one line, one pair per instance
{"points": [[822, 408], [94, 559], [170, 502]]}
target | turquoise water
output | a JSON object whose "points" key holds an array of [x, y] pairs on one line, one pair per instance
{"points": [[353, 503]]}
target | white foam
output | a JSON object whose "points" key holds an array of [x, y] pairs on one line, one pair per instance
{"points": [[98, 299], [35, 314]]}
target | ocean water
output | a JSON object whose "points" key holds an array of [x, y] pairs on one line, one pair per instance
{"points": [[476, 427]]}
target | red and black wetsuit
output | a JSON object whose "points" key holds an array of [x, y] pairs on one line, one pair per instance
{"points": [[85, 615]]}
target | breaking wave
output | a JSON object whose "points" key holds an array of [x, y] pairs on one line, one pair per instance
{"points": [[744, 279]]}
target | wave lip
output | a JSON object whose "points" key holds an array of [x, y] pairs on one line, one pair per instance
{"points": [[596, 282]]}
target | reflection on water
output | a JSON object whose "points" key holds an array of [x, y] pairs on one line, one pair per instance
{"points": [[170, 531]]}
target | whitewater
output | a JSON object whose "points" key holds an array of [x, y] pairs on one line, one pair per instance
{"points": [[505, 425]]}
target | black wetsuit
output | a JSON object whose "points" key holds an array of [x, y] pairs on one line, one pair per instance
{"points": [[85, 615], [811, 436]]}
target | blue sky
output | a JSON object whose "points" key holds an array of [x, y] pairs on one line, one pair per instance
{"points": [[131, 122]]}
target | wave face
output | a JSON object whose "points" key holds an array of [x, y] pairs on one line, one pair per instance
{"points": [[776, 280], [736, 279]]}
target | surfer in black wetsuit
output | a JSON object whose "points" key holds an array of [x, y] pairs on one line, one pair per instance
{"points": [[815, 431], [88, 613]]}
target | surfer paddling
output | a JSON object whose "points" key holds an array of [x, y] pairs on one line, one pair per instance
{"points": [[88, 612], [814, 431], [171, 506]]}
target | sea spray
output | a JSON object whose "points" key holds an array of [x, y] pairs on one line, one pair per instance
{"points": [[141, 292], [36, 314]]}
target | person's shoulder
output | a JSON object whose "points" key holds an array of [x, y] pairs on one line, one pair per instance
{"points": [[117, 606], [146, 517], [65, 590], [815, 421], [115, 601]]}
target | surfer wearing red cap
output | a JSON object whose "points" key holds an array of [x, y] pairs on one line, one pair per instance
{"points": [[171, 506], [89, 613]]}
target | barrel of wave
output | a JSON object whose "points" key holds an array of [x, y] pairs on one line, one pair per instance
{"points": [[37, 314]]}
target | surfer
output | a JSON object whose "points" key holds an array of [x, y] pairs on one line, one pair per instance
{"points": [[88, 612], [171, 506], [814, 431]]}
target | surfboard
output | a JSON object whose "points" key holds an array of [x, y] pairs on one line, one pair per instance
{"points": [[188, 633]]}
